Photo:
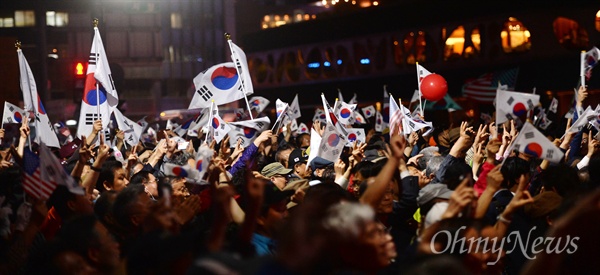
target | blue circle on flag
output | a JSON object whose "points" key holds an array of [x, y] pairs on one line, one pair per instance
{"points": [[333, 140], [519, 109], [249, 132], [180, 172], [18, 117], [256, 102], [90, 97], [199, 165], [533, 149], [215, 123], [345, 113], [224, 78]]}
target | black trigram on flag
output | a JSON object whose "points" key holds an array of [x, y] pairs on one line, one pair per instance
{"points": [[530, 104], [93, 58], [529, 135], [91, 117], [510, 100], [260, 125], [204, 93]]}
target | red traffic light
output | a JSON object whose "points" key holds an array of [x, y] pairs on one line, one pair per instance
{"points": [[79, 69]]}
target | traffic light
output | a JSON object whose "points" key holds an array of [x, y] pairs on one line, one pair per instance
{"points": [[79, 70]]}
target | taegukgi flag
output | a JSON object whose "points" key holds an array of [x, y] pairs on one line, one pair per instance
{"points": [[247, 130], [258, 103], [511, 105], [219, 83], [12, 113], [530, 141], [44, 129]]}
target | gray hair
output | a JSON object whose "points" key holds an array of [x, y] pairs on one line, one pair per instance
{"points": [[428, 153], [433, 165], [348, 219]]}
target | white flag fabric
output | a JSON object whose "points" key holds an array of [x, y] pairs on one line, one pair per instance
{"points": [[329, 114], [294, 109], [219, 83], [169, 125], [97, 105], [369, 111], [345, 112], [101, 69], [358, 118], [191, 174], [553, 105], [302, 128], [421, 73], [52, 171], [379, 124], [44, 129], [241, 63], [340, 96], [281, 117], [332, 143], [187, 125], [315, 143], [320, 115], [412, 124], [259, 103], [203, 159], [512, 105], [396, 117], [12, 113], [355, 134], [530, 141], [415, 96], [133, 131], [220, 128], [582, 121], [247, 130], [281, 107]]}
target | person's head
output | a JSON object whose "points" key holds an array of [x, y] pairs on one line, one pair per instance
{"points": [[318, 166], [561, 179], [456, 173], [420, 174], [283, 154], [88, 237], [273, 210], [131, 207], [361, 242], [303, 140], [297, 162], [428, 153], [103, 208], [69, 205], [431, 194], [148, 180], [433, 165], [512, 169], [112, 177], [277, 174], [386, 204]]}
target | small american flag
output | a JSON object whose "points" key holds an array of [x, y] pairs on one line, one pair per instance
{"points": [[483, 89], [32, 177]]}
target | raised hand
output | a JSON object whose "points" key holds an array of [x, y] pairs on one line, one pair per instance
{"points": [[521, 198], [461, 199]]}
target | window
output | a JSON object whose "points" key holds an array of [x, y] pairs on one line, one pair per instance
{"points": [[515, 36], [57, 19], [24, 18], [597, 21], [414, 47], [459, 44], [7, 22], [176, 20], [570, 34]]}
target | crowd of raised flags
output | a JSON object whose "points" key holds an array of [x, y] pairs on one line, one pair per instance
{"points": [[333, 131]]}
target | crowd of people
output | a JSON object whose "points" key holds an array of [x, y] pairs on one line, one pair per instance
{"points": [[455, 200]]}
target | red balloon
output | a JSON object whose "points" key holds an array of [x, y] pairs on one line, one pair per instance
{"points": [[434, 87]]}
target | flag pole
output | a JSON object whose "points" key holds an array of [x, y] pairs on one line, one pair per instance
{"points": [[237, 68], [95, 23], [210, 117], [419, 87], [582, 68]]}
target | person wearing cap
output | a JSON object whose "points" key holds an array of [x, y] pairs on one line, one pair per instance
{"points": [[270, 218], [433, 202], [318, 166], [276, 173], [298, 164]]}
